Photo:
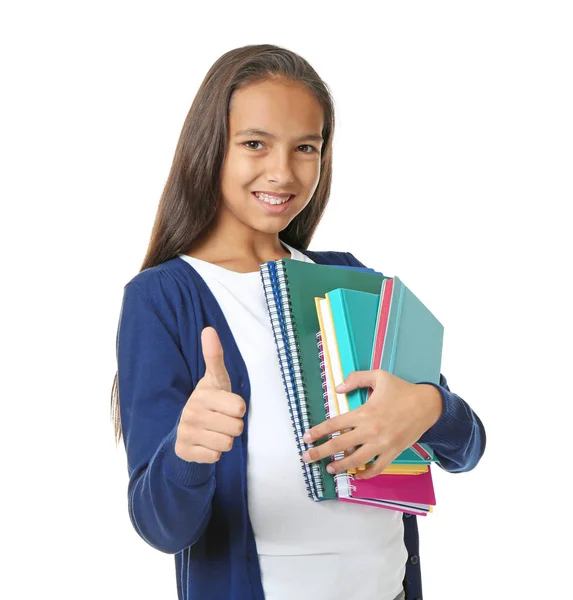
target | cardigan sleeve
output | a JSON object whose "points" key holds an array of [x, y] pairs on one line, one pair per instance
{"points": [[458, 437], [169, 499]]}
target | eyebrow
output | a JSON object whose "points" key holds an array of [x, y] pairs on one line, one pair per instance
{"points": [[310, 136]]}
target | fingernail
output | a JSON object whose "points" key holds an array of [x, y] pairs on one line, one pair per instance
{"points": [[307, 437], [339, 387], [306, 457], [330, 469]]}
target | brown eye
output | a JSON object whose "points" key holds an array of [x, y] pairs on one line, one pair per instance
{"points": [[251, 142]]}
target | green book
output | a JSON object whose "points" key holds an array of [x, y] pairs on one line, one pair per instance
{"points": [[290, 287]]}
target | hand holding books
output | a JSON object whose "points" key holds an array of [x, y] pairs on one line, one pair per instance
{"points": [[394, 417]]}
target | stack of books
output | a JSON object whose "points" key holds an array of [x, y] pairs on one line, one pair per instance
{"points": [[328, 321]]}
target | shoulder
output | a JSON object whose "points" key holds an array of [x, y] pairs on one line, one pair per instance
{"points": [[163, 274], [165, 287], [333, 258]]}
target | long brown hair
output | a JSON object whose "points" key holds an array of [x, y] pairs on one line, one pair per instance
{"points": [[190, 198]]}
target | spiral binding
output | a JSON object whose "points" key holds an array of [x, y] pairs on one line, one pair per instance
{"points": [[325, 387], [277, 297], [342, 481], [292, 343]]}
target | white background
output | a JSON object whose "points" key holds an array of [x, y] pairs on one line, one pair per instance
{"points": [[452, 169]]}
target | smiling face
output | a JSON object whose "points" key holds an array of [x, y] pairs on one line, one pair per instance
{"points": [[281, 156]]}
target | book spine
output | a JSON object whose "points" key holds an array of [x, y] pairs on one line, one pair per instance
{"points": [[348, 335], [282, 332], [326, 392], [396, 330]]}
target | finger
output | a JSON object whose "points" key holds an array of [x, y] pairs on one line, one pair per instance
{"points": [[359, 379], [213, 421], [215, 370], [199, 454], [220, 423], [334, 446], [211, 440], [338, 423], [355, 460], [375, 468], [226, 403]]}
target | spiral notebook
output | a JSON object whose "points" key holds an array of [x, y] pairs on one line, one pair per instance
{"points": [[290, 287]]}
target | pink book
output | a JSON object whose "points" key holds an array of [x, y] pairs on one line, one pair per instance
{"points": [[418, 489], [414, 509], [381, 323]]}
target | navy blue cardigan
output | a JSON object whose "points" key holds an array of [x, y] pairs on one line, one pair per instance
{"points": [[199, 512]]}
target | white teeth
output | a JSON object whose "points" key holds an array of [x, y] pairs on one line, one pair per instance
{"points": [[271, 199]]}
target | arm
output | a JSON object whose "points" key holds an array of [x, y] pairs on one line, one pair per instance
{"points": [[169, 499], [458, 437]]}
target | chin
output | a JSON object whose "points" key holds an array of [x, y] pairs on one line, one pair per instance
{"points": [[275, 224], [277, 228]]}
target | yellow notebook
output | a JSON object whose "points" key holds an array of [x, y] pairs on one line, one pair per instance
{"points": [[340, 402], [332, 357]]}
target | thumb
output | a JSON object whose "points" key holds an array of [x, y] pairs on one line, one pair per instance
{"points": [[358, 379], [215, 371]]}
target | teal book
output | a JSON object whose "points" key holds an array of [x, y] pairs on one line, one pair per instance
{"points": [[412, 345], [355, 315], [408, 343]]}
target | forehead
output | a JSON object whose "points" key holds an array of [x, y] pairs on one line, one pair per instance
{"points": [[283, 108]]}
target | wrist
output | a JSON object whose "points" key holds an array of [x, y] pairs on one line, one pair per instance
{"points": [[431, 397]]}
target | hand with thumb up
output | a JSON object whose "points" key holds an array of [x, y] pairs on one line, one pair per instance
{"points": [[213, 415]]}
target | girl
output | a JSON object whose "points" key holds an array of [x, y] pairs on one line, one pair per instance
{"points": [[214, 477]]}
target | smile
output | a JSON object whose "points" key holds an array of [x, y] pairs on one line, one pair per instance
{"points": [[273, 206], [272, 199]]}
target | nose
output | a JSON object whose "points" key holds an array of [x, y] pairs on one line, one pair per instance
{"points": [[279, 168]]}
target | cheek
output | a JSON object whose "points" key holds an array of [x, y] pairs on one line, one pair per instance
{"points": [[240, 170], [310, 174]]}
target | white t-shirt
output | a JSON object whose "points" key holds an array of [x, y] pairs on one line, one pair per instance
{"points": [[329, 550]]}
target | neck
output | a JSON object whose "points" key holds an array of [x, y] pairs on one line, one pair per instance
{"points": [[238, 252]]}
